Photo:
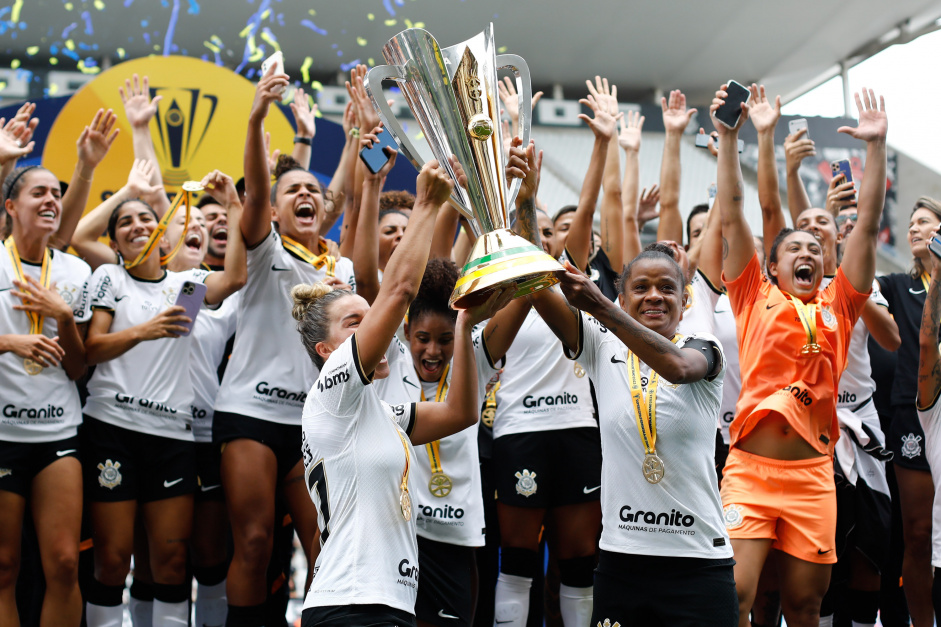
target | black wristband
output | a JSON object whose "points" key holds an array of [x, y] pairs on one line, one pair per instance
{"points": [[302, 140]]}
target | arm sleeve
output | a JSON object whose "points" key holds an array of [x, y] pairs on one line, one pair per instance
{"points": [[591, 335], [877, 296], [404, 415], [341, 382], [101, 292], [743, 291], [711, 350]]}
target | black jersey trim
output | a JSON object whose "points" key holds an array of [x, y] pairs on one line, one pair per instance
{"points": [[581, 340], [101, 308], [366, 379], [709, 283], [934, 401], [571, 259], [140, 280], [413, 411], [712, 354], [490, 360]]}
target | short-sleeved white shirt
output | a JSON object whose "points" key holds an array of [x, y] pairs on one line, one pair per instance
{"points": [[213, 328], [354, 459], [732, 382], [699, 316], [856, 384], [458, 516], [269, 373], [147, 389], [681, 516], [44, 407]]}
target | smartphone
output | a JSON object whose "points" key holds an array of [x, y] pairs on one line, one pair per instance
{"points": [[729, 113], [935, 246], [376, 157], [277, 60], [190, 298], [795, 125], [702, 141], [842, 167]]}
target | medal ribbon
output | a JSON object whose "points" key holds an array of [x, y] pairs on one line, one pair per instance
{"points": [[645, 413], [154, 242], [403, 486], [318, 261], [925, 278], [434, 448], [35, 319], [808, 317]]}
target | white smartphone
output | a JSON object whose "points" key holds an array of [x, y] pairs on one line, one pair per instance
{"points": [[276, 60], [795, 125]]}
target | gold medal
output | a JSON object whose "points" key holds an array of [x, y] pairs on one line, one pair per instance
{"points": [[488, 415], [808, 317], [810, 349], [653, 468], [32, 367], [579, 371], [405, 502], [440, 485]]}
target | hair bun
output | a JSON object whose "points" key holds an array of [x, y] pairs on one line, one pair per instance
{"points": [[305, 296]]}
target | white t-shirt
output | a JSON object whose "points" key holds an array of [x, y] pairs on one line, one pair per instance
{"points": [[456, 517], [931, 424], [212, 331], [147, 389], [270, 372], [732, 384], [541, 390], [699, 316], [856, 384], [44, 407], [681, 516], [354, 457]]}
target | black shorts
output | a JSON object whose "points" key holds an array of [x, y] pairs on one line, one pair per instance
{"points": [[548, 468], [124, 465], [208, 475], [447, 578], [20, 462], [906, 439], [649, 591], [283, 440], [356, 616]]}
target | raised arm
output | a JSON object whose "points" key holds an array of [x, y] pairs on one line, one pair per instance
{"points": [[612, 212], [676, 118], [797, 147], [929, 363], [510, 100], [234, 274], [18, 133], [882, 326], [305, 119], [256, 214], [604, 126], [140, 110], [859, 256], [737, 245], [366, 253], [630, 139], [765, 118]]}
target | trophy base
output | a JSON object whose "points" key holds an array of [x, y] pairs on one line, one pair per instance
{"points": [[500, 258]]}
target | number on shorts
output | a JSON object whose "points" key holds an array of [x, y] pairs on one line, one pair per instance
{"points": [[317, 480]]}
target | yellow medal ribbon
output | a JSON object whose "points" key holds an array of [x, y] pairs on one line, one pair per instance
{"points": [[490, 405], [440, 484], [154, 242], [925, 279], [808, 317], [35, 320], [645, 413], [318, 261], [405, 501]]}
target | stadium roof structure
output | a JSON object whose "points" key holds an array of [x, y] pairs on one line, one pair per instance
{"points": [[644, 47]]}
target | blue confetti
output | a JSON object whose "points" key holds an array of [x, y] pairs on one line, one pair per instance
{"points": [[346, 67], [144, 23], [171, 28], [313, 27], [87, 18], [128, 3], [388, 5], [253, 22], [194, 8], [68, 29], [147, 38]]}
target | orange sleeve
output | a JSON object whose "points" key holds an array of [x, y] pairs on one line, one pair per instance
{"points": [[847, 302], [744, 290]]}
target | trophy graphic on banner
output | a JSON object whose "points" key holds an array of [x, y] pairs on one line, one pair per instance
{"points": [[181, 128], [453, 94]]}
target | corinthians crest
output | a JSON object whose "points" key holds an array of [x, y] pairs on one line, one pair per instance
{"points": [[526, 484], [183, 118], [110, 476]]}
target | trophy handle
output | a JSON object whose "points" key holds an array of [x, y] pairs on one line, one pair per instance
{"points": [[524, 87], [373, 83]]}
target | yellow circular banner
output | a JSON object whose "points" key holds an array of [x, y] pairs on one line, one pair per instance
{"points": [[199, 126]]}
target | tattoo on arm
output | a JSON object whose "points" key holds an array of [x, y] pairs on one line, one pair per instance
{"points": [[526, 222], [617, 319], [739, 192], [725, 248]]}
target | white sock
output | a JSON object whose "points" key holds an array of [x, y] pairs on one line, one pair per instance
{"points": [[211, 604], [575, 605], [826, 621], [104, 615], [142, 612], [855, 624], [170, 614], [512, 600]]}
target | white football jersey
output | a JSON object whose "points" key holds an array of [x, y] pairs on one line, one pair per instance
{"points": [[699, 316], [725, 332], [540, 389], [212, 331], [453, 513], [354, 448], [681, 516], [44, 407], [930, 420], [856, 384], [149, 388], [270, 372]]}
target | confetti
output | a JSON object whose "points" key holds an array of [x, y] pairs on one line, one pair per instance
{"points": [[53, 61], [15, 63], [370, 16], [99, 5], [361, 41], [305, 69], [15, 12], [313, 27], [32, 50], [390, 22]]}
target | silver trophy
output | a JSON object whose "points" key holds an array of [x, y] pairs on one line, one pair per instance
{"points": [[452, 92]]}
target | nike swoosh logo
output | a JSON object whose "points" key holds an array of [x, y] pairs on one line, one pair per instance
{"points": [[502, 622], [207, 488], [118, 299], [275, 268], [443, 615], [819, 552], [770, 306], [6, 289], [911, 291], [721, 311], [615, 360], [409, 382], [66, 452], [587, 491], [170, 484]]}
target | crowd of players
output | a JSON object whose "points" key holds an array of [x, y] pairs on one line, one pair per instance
{"points": [[693, 430]]}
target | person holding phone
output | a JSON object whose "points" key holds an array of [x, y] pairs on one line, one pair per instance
{"points": [[793, 340], [138, 435]]}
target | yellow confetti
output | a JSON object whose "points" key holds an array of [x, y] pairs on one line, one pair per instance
{"points": [[53, 89], [99, 5], [305, 69], [311, 12], [361, 41], [370, 61], [390, 22], [501, 49], [121, 52], [419, 24], [408, 23], [420, 136], [3, 85], [84, 69], [32, 50], [316, 85], [246, 31], [370, 16], [156, 47], [70, 44], [271, 40], [15, 63], [53, 61], [15, 12], [266, 14], [212, 47], [68, 6]]}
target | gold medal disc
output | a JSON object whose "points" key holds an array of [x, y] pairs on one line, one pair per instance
{"points": [[652, 468], [405, 501], [487, 416], [440, 485], [810, 349], [32, 367]]}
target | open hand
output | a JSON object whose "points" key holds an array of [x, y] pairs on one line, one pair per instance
{"points": [[763, 114], [631, 126], [604, 124], [96, 139], [138, 179], [365, 111], [676, 116], [873, 123], [305, 114], [647, 208], [138, 106], [511, 100]]}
